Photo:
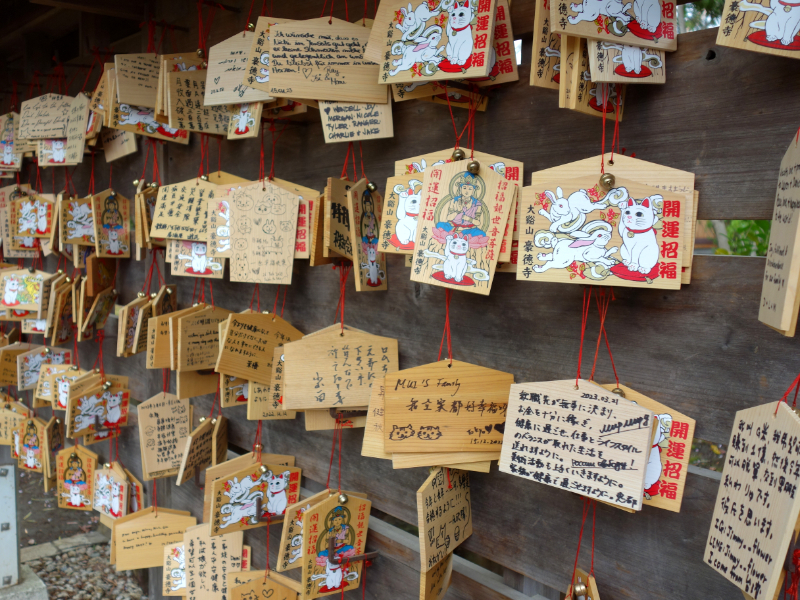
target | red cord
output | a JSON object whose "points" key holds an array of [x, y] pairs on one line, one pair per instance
{"points": [[603, 298], [256, 294], [796, 387], [446, 333], [587, 298], [587, 502], [344, 272], [473, 107], [361, 153]]}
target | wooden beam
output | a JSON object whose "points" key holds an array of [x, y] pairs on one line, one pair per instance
{"points": [[128, 10]]}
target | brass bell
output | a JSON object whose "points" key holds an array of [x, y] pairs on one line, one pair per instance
{"points": [[474, 167], [107, 465], [154, 185], [30, 269], [74, 368], [114, 291], [251, 27], [169, 291], [61, 271], [106, 385], [68, 280], [213, 421], [204, 65], [579, 589], [372, 187], [73, 455], [141, 294], [342, 499], [204, 177], [200, 53], [459, 154], [607, 181], [135, 182], [618, 391], [153, 295], [263, 469], [202, 419], [88, 94]]}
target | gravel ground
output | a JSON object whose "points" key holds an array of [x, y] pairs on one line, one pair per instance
{"points": [[84, 574]]}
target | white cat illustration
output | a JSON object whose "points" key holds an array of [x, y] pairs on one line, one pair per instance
{"points": [[408, 204], [455, 266], [459, 33], [59, 153], [640, 246], [10, 291]]}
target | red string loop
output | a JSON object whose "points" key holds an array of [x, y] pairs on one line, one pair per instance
{"points": [[603, 298], [796, 387], [344, 272], [587, 503], [587, 298], [446, 333]]}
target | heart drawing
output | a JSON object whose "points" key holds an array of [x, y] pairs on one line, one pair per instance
{"points": [[307, 72]]}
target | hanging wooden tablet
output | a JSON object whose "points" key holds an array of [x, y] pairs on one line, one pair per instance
{"points": [[174, 571], [355, 121], [196, 452], [62, 381], [136, 495], [570, 49], [31, 217], [233, 390], [444, 515], [52, 443], [142, 121], [29, 364], [164, 426], [101, 309], [43, 391], [265, 587], [546, 67], [589, 583], [11, 415], [779, 298], [159, 345], [750, 551], [265, 401], [445, 42], [219, 440], [245, 120], [401, 213], [336, 235], [197, 338], [671, 446], [8, 361], [647, 173], [11, 159], [111, 492], [138, 539], [76, 129], [433, 584], [31, 435], [461, 227], [7, 196], [580, 221], [467, 406], [590, 97], [77, 222], [292, 533], [166, 300], [128, 322], [227, 468], [234, 497], [263, 230], [533, 407], [227, 65], [345, 523], [250, 343], [22, 289], [117, 143], [75, 471], [335, 369], [318, 251], [621, 63], [311, 71], [651, 25], [191, 259], [186, 110], [180, 211], [51, 152], [209, 560], [136, 78], [760, 26], [511, 170], [44, 117], [257, 75], [112, 216], [365, 208]]}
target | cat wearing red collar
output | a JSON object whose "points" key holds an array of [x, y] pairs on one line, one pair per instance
{"points": [[784, 22], [459, 33], [455, 265], [639, 244]]}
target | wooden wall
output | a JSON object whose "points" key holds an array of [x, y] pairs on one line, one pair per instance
{"points": [[724, 114]]}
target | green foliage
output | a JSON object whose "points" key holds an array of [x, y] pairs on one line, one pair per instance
{"points": [[703, 14], [747, 238]]}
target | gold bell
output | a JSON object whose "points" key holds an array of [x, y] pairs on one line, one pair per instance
{"points": [[154, 185], [607, 181], [619, 391], [73, 455], [114, 291], [458, 154], [153, 295], [579, 589], [372, 187], [204, 65], [200, 53], [68, 280], [30, 269], [204, 177], [342, 499], [202, 419], [474, 167], [107, 465], [263, 469], [169, 291], [135, 182], [141, 294], [251, 27]]}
